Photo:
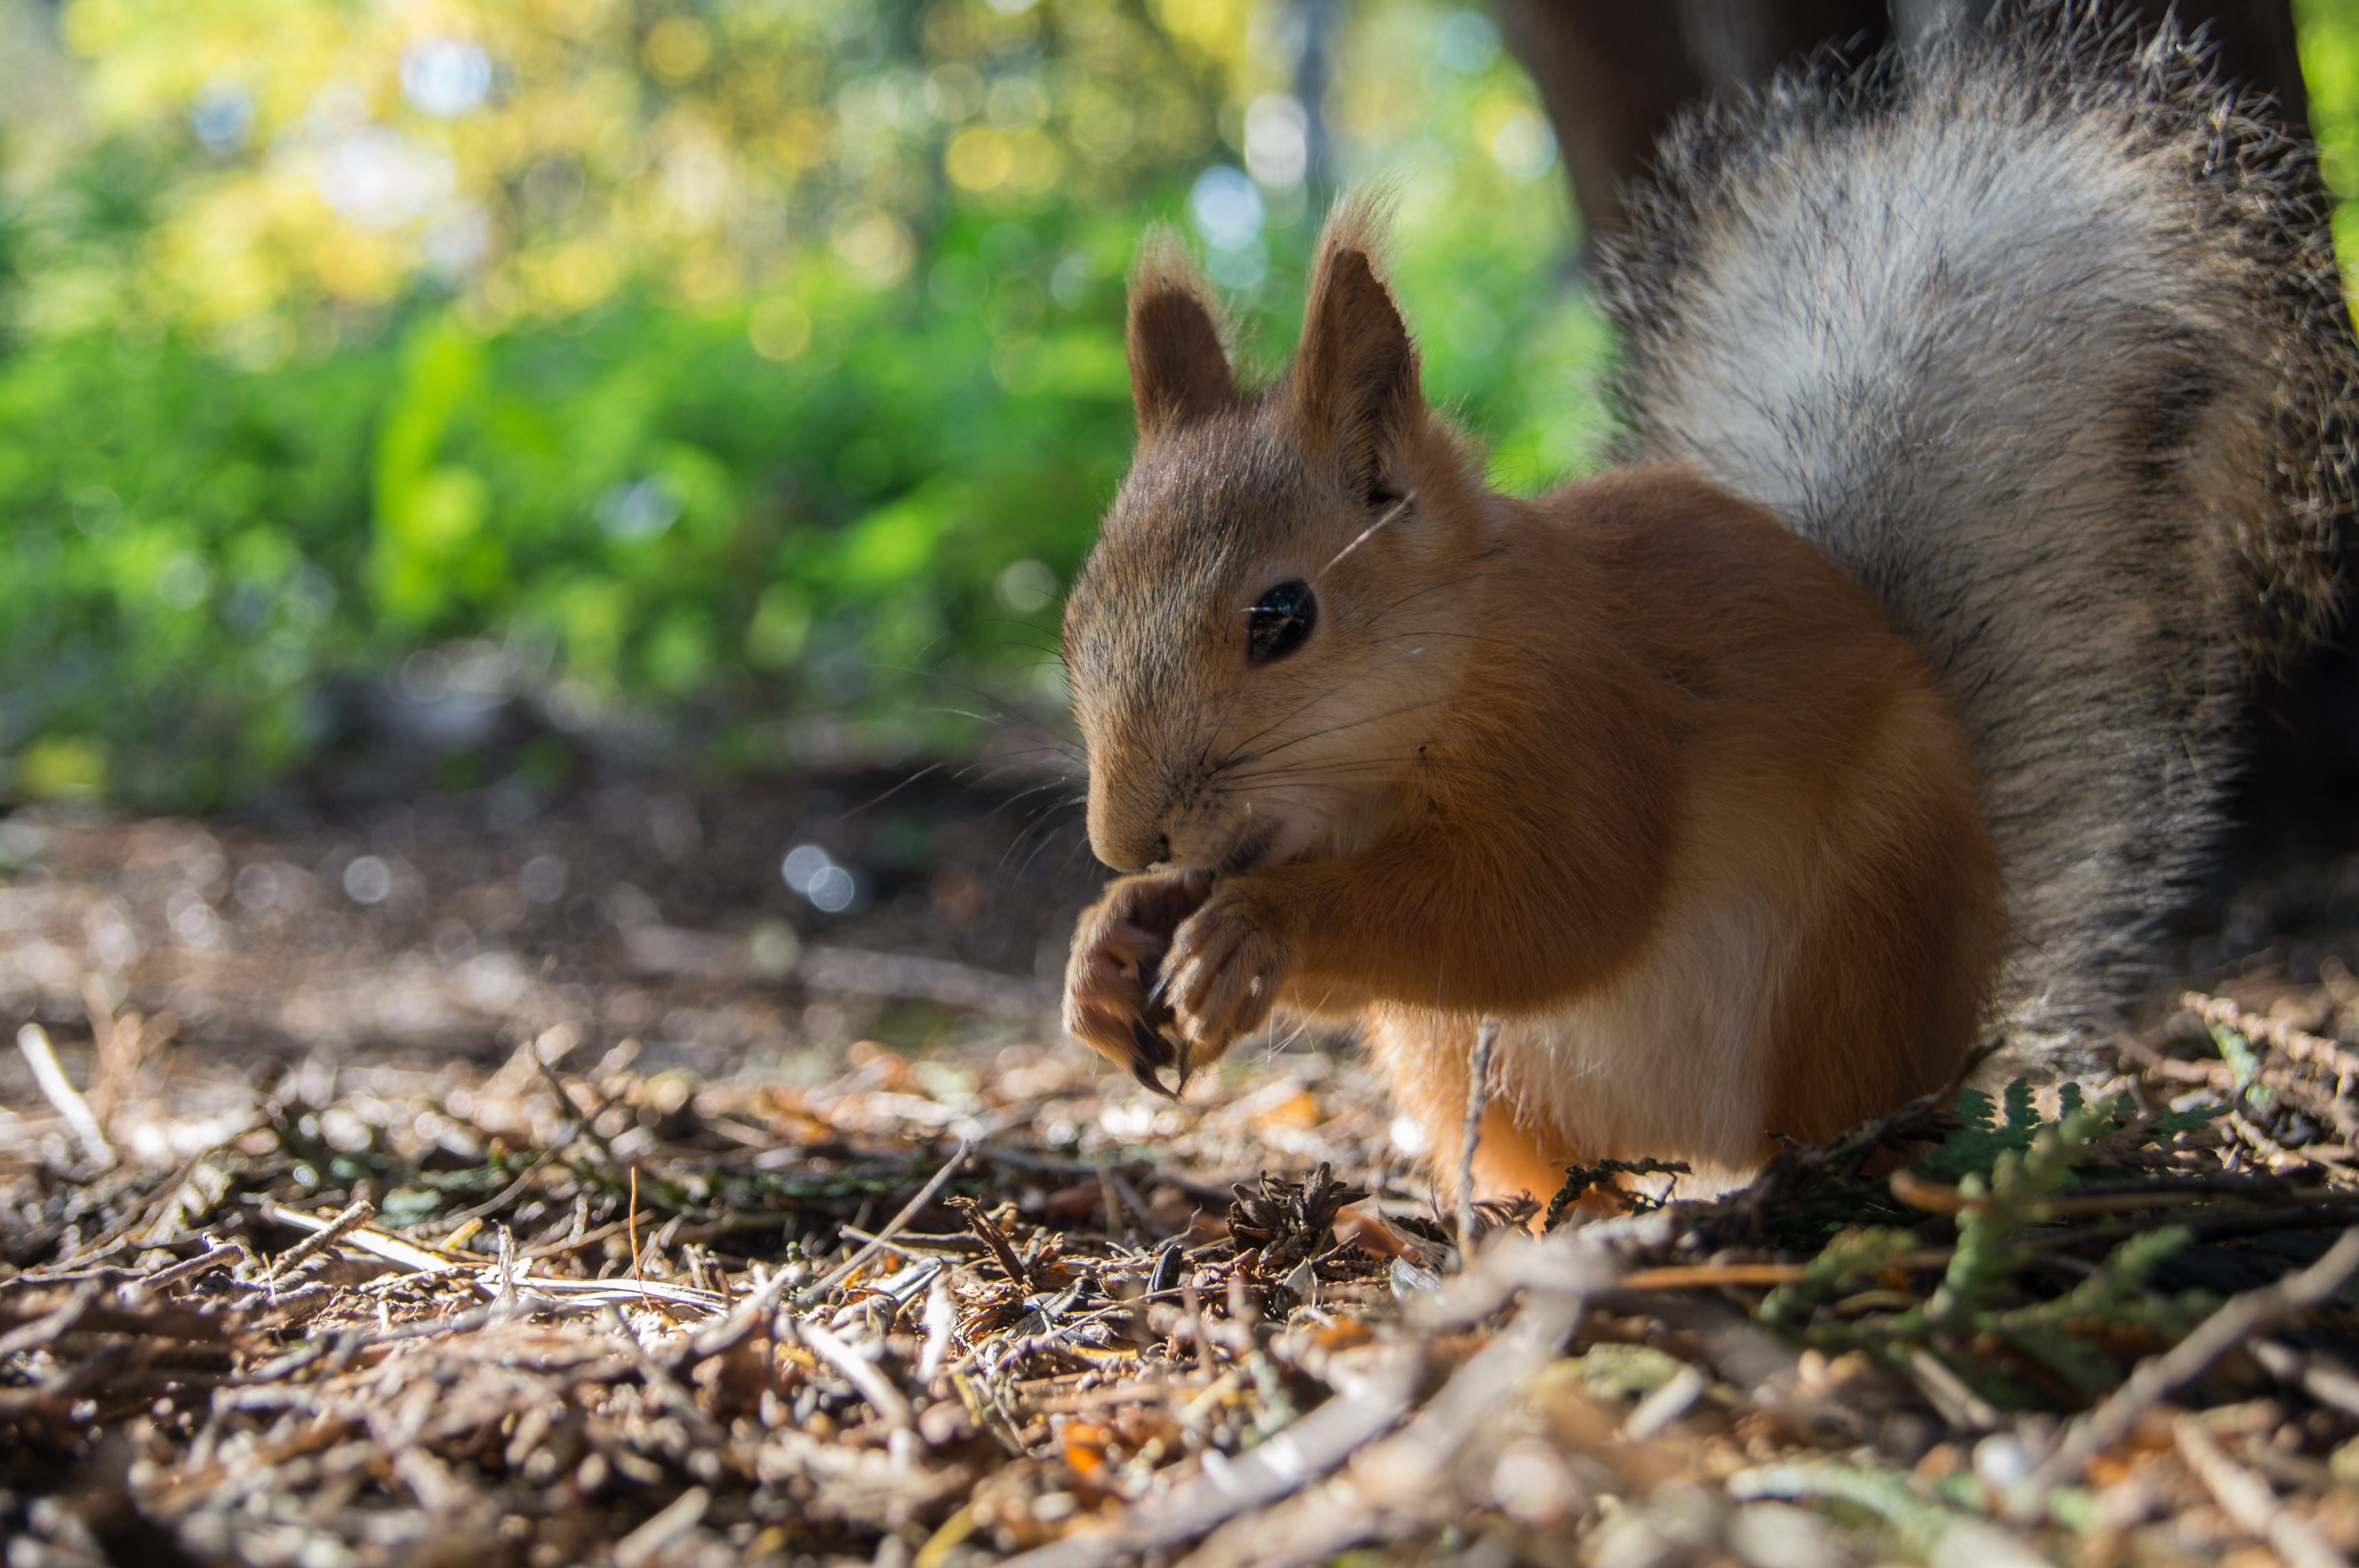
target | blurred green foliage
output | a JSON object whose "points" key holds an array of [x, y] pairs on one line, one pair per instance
{"points": [[743, 373], [703, 368], [2330, 68]]}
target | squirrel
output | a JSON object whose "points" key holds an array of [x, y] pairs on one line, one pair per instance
{"points": [[1985, 428]]}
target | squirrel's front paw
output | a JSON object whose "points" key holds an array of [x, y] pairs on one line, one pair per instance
{"points": [[1223, 972], [1114, 999]]}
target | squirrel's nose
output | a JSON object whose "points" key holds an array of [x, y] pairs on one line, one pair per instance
{"points": [[1126, 853], [1128, 828]]}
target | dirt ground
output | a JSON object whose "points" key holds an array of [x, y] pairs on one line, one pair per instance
{"points": [[654, 1176], [627, 911], [644, 910]]}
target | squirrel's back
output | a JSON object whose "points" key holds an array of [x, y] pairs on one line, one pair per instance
{"points": [[2040, 337]]}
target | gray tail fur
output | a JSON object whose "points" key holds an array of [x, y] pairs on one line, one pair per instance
{"points": [[2041, 336]]}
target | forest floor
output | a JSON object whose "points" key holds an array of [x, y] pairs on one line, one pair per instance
{"points": [[462, 1181]]}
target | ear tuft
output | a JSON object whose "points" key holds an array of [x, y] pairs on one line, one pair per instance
{"points": [[1178, 372], [1355, 382]]}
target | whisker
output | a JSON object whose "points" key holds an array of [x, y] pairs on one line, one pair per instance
{"points": [[1023, 795], [1047, 838], [965, 628], [1022, 758], [1379, 766], [1429, 588], [1308, 703], [1037, 829], [1388, 762], [1312, 701], [912, 779], [1270, 751], [1008, 760], [990, 699], [1429, 635], [1301, 1028], [991, 719]]}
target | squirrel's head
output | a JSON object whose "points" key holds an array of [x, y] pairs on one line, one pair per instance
{"points": [[1272, 618]]}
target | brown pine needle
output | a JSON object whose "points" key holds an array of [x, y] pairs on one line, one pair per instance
{"points": [[632, 1227]]}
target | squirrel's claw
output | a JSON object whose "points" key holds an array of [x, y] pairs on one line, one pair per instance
{"points": [[1149, 1053], [1114, 984]]}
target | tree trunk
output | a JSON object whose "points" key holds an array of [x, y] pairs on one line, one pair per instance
{"points": [[1613, 74]]}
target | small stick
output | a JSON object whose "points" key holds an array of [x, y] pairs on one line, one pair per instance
{"points": [[2245, 1499], [2300, 1044], [392, 1249], [2240, 1319], [1368, 1499], [1002, 1251], [35, 1044], [2321, 1378], [892, 1228], [1191, 1301], [43, 1330], [1112, 1200], [650, 1541], [942, 1321], [1949, 1394], [632, 1221], [1363, 1411], [882, 1397], [1478, 1099], [1937, 1198], [303, 1251], [101, 1011], [1714, 1276], [2318, 1097], [492, 1205], [659, 1383], [559, 1248], [117, 1048], [1136, 1205], [226, 1255], [584, 1122], [733, 1330]]}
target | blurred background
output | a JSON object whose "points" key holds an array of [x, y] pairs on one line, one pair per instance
{"points": [[734, 380], [542, 477], [739, 381]]}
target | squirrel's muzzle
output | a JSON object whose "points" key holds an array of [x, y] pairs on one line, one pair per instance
{"points": [[1126, 841]]}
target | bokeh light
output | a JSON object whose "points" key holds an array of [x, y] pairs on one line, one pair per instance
{"points": [[734, 373]]}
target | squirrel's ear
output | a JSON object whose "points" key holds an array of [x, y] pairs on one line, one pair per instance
{"points": [[1355, 372], [1178, 371]]}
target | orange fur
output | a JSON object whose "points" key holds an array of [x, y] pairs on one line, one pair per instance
{"points": [[1630, 767]]}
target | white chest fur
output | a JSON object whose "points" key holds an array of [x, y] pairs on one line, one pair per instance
{"points": [[1668, 1061]]}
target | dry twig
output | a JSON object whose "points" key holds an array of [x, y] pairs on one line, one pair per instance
{"points": [[1478, 1099], [33, 1042], [2247, 1498], [2155, 1379]]}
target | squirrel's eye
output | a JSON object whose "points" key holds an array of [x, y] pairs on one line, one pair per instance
{"points": [[1280, 622]]}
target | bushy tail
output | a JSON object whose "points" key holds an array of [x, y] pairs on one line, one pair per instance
{"points": [[2040, 335]]}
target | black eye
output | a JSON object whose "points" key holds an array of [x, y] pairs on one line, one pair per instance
{"points": [[1281, 622]]}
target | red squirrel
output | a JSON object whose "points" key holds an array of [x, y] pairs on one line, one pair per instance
{"points": [[1984, 416]]}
